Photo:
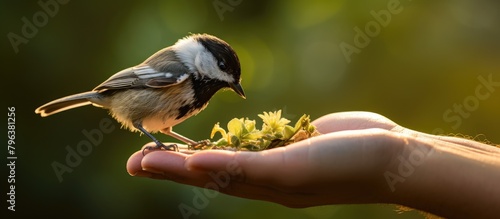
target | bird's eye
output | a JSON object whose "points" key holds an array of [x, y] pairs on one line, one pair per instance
{"points": [[222, 65]]}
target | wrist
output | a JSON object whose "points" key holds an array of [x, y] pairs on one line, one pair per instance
{"points": [[446, 179]]}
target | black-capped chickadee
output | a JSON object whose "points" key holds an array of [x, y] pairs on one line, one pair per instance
{"points": [[172, 85]]}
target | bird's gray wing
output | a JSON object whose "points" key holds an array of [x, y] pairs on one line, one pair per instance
{"points": [[144, 75]]}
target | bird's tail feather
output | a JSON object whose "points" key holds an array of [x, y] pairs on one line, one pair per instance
{"points": [[66, 103]]}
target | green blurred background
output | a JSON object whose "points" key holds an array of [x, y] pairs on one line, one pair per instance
{"points": [[421, 65]]}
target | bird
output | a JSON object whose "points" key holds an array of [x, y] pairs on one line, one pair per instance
{"points": [[170, 86]]}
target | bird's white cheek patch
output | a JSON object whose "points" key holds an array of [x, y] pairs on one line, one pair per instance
{"points": [[187, 49], [207, 67], [200, 65]]}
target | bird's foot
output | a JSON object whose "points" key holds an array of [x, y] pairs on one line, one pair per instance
{"points": [[161, 146], [200, 144]]}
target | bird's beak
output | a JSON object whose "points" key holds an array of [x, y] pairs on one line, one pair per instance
{"points": [[238, 89]]}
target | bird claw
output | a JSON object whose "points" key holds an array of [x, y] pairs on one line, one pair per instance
{"points": [[160, 146], [200, 144]]}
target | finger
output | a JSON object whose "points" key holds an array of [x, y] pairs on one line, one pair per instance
{"points": [[135, 167], [171, 166], [222, 181], [352, 121], [238, 166], [278, 168], [166, 163], [134, 163], [339, 156], [267, 182]]}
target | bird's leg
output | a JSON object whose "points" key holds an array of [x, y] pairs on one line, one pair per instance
{"points": [[168, 131], [159, 145]]}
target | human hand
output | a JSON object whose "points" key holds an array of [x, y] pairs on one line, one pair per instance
{"points": [[351, 162]]}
